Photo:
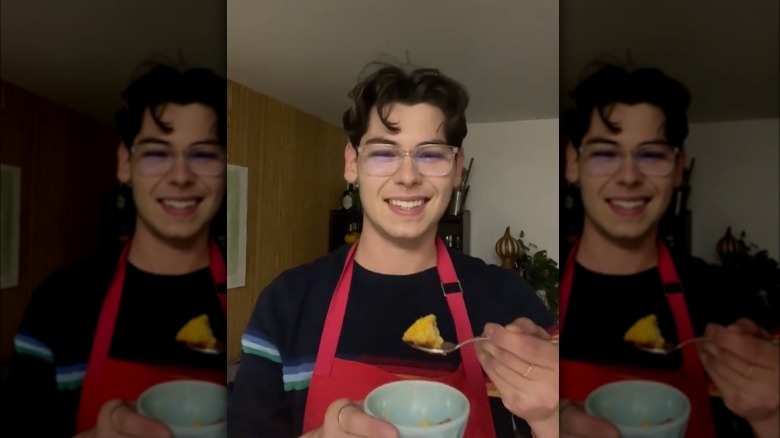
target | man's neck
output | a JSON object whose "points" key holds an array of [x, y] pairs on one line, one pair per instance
{"points": [[600, 253], [151, 254], [380, 254]]}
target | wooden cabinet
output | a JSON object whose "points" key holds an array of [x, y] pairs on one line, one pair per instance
{"points": [[454, 230]]}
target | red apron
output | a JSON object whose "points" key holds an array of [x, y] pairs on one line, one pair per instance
{"points": [[108, 378], [335, 378], [578, 379]]}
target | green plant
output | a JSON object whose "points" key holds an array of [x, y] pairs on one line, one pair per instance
{"points": [[758, 272], [540, 271]]}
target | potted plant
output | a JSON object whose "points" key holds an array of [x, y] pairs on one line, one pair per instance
{"points": [[758, 272], [540, 271]]}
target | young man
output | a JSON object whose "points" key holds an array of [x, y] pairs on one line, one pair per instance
{"points": [[325, 334], [626, 154], [97, 334]]}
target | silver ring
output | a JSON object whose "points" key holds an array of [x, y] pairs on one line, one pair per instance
{"points": [[338, 416], [527, 371], [112, 414]]}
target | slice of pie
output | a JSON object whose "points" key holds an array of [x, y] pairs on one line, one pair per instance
{"points": [[645, 332], [197, 333], [424, 333]]}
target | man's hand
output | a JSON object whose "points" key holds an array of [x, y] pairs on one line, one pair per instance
{"points": [[575, 422], [523, 364], [118, 419], [745, 366], [346, 419]]}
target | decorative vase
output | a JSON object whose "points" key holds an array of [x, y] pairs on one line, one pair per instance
{"points": [[507, 249], [728, 247]]}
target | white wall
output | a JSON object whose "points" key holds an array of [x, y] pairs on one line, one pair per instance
{"points": [[514, 182], [735, 182]]}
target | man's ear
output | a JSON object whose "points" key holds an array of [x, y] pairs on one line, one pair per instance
{"points": [[460, 158], [679, 169], [350, 163], [572, 171], [123, 163]]}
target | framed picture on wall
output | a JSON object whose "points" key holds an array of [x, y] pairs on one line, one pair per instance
{"points": [[10, 220], [237, 177]]}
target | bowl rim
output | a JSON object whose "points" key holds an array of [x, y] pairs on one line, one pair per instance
{"points": [[434, 427], [148, 392], [683, 418]]}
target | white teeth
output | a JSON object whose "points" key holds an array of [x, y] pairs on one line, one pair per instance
{"points": [[179, 204], [628, 204], [406, 204]]}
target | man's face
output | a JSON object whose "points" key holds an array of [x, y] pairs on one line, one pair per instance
{"points": [[176, 201], [406, 205], [627, 204]]}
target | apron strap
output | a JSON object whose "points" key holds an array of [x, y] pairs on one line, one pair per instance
{"points": [[695, 379], [335, 318], [566, 282], [451, 287], [107, 320], [218, 273]]}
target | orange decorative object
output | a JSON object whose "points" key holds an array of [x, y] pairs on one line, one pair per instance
{"points": [[353, 234], [508, 248]]}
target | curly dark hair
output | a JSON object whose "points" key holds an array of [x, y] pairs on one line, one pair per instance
{"points": [[164, 84], [390, 84], [612, 84]]}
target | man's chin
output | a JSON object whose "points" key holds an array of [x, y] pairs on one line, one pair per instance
{"points": [[181, 237], [408, 237], [620, 232], [632, 237]]}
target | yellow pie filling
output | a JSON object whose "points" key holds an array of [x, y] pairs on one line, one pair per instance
{"points": [[424, 333], [645, 332], [197, 332]]}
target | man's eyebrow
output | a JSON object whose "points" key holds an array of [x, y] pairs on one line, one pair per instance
{"points": [[384, 140], [655, 141], [162, 142], [209, 142], [604, 140], [380, 140], [601, 140], [153, 140]]}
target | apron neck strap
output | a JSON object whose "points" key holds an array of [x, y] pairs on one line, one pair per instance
{"points": [[218, 269], [566, 282]]}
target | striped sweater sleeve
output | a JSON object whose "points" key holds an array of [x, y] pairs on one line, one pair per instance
{"points": [[34, 401], [28, 345], [257, 401]]}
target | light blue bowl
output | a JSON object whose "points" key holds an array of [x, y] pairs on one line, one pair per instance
{"points": [[408, 404], [641, 408], [191, 408]]}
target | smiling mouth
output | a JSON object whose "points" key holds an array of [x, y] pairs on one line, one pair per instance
{"points": [[628, 207], [629, 204], [180, 204], [407, 204]]}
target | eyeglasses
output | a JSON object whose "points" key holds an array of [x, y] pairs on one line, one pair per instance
{"points": [[385, 159], [157, 160], [650, 160]]}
